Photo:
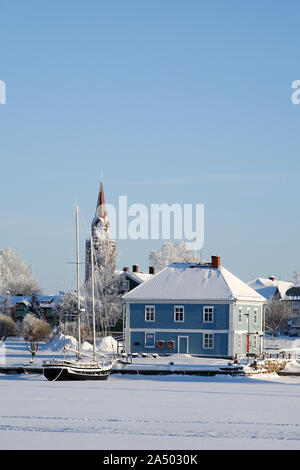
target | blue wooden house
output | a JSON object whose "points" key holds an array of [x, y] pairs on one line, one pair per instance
{"points": [[200, 309]]}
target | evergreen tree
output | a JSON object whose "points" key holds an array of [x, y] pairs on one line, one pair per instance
{"points": [[34, 307]]}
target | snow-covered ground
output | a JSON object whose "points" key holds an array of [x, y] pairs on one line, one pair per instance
{"points": [[149, 412]]}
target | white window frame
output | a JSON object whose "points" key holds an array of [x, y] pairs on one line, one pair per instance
{"points": [[176, 307], [248, 315], [210, 338], [240, 314], [127, 284], [255, 316], [149, 313], [208, 313]]}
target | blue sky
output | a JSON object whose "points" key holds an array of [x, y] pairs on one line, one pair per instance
{"points": [[177, 102]]}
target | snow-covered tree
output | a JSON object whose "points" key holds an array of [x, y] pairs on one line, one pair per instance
{"points": [[107, 292], [66, 307], [15, 275], [8, 327], [34, 307], [173, 253], [297, 277], [34, 331]]}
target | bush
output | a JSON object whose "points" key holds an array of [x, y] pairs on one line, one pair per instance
{"points": [[8, 327]]}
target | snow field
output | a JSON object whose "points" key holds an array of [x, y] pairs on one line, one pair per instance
{"points": [[148, 412], [153, 413]]}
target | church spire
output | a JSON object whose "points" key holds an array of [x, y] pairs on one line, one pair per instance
{"points": [[100, 209], [104, 247]]}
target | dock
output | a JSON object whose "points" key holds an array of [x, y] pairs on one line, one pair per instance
{"points": [[208, 371]]}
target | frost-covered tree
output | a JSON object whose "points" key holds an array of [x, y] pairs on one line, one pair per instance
{"points": [[67, 310], [66, 307], [34, 306], [15, 275], [173, 253], [277, 314], [297, 277], [107, 292], [35, 330], [8, 327]]}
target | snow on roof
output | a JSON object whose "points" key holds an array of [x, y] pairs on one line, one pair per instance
{"points": [[137, 276], [17, 299], [267, 292], [186, 281], [262, 282]]}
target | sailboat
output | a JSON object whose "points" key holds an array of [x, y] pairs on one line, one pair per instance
{"points": [[79, 368]]}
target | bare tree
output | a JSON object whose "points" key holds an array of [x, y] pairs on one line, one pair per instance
{"points": [[277, 314], [173, 253], [34, 331], [8, 327]]}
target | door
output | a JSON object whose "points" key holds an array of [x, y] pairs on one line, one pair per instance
{"points": [[149, 340], [183, 344]]}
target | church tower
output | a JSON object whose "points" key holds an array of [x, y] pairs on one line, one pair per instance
{"points": [[104, 247]]}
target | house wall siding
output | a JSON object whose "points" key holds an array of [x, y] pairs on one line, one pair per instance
{"points": [[195, 343], [193, 316], [229, 334]]}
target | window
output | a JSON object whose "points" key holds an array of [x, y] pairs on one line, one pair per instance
{"points": [[126, 285], [179, 313], [255, 316], [255, 341], [208, 314], [239, 341], [149, 340], [149, 313], [248, 315], [240, 314], [208, 341]]}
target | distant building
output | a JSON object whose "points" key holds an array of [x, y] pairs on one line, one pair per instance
{"points": [[292, 298], [18, 307], [270, 287], [199, 309], [131, 279]]}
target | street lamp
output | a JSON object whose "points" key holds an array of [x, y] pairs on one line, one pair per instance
{"points": [[248, 336]]}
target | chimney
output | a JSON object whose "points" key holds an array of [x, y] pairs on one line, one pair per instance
{"points": [[125, 269], [272, 278], [215, 261], [151, 270], [135, 268]]}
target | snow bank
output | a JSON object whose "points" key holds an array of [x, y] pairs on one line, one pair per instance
{"points": [[292, 366], [58, 343], [107, 344]]}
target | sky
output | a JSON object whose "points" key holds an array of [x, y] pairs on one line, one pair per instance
{"points": [[176, 101]]}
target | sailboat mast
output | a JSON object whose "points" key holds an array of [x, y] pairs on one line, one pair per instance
{"points": [[78, 282], [93, 298]]}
